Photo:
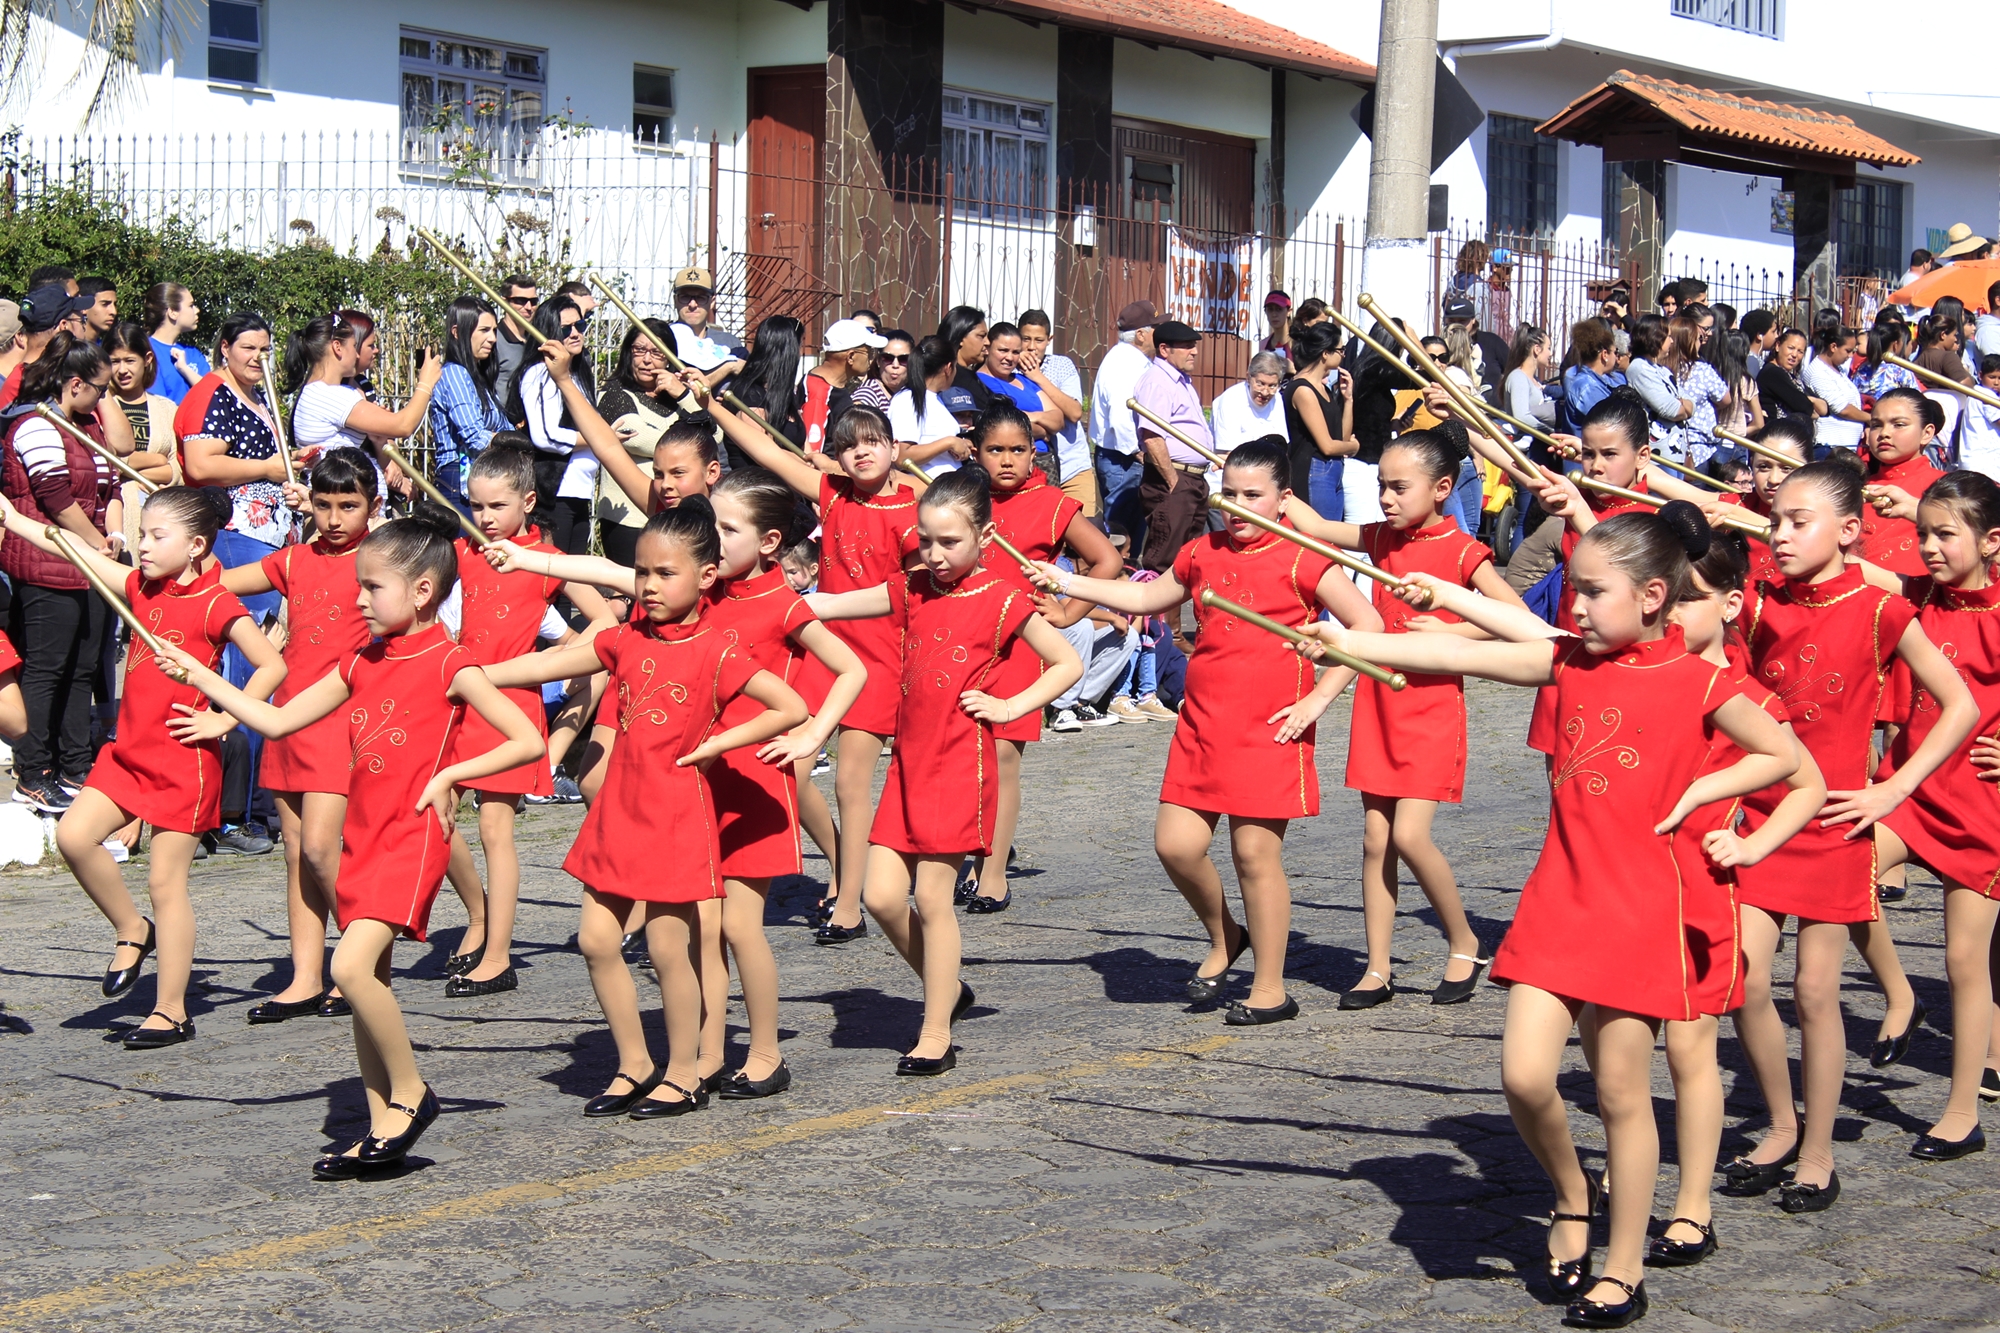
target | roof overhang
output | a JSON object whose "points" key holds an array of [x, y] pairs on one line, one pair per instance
{"points": [[1204, 27]]}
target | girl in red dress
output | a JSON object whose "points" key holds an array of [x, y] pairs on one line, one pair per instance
{"points": [[1039, 520], [1788, 435], [1406, 751], [307, 771], [651, 836], [166, 765], [1951, 823], [1902, 426], [1613, 776], [941, 800], [1824, 640], [499, 616], [402, 696], [1244, 744], [868, 537]]}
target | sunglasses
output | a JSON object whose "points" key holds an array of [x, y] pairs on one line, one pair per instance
{"points": [[524, 302], [687, 301], [896, 358]]}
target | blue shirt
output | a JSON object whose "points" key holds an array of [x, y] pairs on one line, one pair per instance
{"points": [[461, 423], [167, 380], [1022, 393], [1583, 389]]}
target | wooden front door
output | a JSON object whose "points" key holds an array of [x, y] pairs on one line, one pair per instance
{"points": [[787, 157]]}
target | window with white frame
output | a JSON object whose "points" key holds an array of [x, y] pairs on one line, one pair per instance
{"points": [[997, 150], [471, 105], [652, 105], [1759, 18], [236, 41]]}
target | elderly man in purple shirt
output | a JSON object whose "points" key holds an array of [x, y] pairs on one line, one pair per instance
{"points": [[1174, 490]]}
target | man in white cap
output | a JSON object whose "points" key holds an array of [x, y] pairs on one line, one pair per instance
{"points": [[715, 352], [846, 351]]}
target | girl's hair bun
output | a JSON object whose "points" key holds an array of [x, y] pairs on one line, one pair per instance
{"points": [[1690, 525]]}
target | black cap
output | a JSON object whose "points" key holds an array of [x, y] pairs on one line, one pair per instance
{"points": [[1458, 308], [47, 306], [1173, 333]]}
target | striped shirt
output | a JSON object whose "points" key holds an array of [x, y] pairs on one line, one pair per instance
{"points": [[461, 423]]}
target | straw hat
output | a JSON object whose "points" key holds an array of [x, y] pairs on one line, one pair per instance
{"points": [[1963, 241]]}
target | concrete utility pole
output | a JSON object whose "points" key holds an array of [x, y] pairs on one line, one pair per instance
{"points": [[1399, 160]]}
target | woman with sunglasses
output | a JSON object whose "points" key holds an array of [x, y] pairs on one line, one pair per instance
{"points": [[565, 479], [891, 372]]}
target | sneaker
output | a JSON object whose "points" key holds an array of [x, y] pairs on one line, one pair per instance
{"points": [[822, 764], [239, 840], [42, 792], [1066, 720], [567, 792], [1989, 1085], [1090, 717], [72, 785], [1156, 710], [1124, 710]]}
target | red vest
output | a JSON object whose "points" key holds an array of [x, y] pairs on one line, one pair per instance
{"points": [[25, 563]]}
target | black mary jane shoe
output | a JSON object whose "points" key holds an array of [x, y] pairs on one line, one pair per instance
{"points": [[465, 988], [1597, 1314], [1889, 1050], [460, 963], [980, 905], [741, 1088], [1568, 1277], [1745, 1179], [1891, 893], [118, 980], [335, 1006], [1667, 1253], [377, 1153], [713, 1082], [1368, 999], [277, 1011], [924, 1066], [1241, 1015], [152, 1039], [1796, 1198], [962, 892], [1203, 990], [341, 1164], [1458, 992], [618, 1103], [832, 934], [822, 910], [652, 1108], [965, 1001], [1931, 1148]]}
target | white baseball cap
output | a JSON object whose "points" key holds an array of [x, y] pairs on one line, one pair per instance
{"points": [[844, 335]]}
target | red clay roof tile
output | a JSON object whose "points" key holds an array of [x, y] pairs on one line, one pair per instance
{"points": [[1206, 26]]}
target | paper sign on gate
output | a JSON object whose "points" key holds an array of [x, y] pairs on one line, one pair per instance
{"points": [[1209, 287]]}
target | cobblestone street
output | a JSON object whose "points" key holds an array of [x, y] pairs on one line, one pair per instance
{"points": [[1103, 1159]]}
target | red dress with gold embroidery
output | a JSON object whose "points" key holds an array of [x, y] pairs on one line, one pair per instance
{"points": [[1952, 822], [1825, 648], [1602, 918], [1223, 758], [324, 624], [146, 771], [1541, 723], [940, 798], [499, 617], [1892, 542], [1033, 517], [401, 729], [1411, 743], [862, 542], [757, 804], [651, 833]]}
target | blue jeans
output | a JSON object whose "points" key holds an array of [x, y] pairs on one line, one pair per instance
{"points": [[1142, 676], [234, 549], [451, 480], [1468, 497], [1118, 486], [1323, 489]]}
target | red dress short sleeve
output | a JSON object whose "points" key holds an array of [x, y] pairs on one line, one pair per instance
{"points": [[499, 617], [1033, 517], [756, 804], [324, 625], [863, 539]]}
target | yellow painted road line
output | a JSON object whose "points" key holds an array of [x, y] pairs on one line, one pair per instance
{"points": [[276, 1253]]}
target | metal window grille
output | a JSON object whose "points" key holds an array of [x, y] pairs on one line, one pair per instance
{"points": [[1520, 178], [471, 105], [1868, 227], [235, 41], [1760, 18], [998, 152]]}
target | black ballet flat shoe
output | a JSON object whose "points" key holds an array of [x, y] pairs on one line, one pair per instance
{"points": [[965, 1001], [962, 892], [822, 910], [652, 1108], [1666, 1253], [460, 963], [618, 1103], [1567, 1277], [832, 934], [1989, 1085], [1891, 893], [335, 1006], [1241, 1015], [1891, 1049], [923, 1066], [1368, 999], [742, 1088], [1796, 1198], [1931, 1148], [377, 1153], [1458, 992], [465, 988], [1203, 990], [118, 980], [341, 1164], [1745, 1179], [1597, 1314], [152, 1039], [982, 906], [277, 1011], [632, 948]]}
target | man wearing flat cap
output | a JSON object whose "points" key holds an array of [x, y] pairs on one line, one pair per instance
{"points": [[1111, 425], [1174, 490]]}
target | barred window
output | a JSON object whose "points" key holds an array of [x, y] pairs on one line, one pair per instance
{"points": [[1520, 178], [998, 152], [1868, 227], [471, 105]]}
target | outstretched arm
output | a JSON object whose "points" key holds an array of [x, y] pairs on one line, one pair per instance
{"points": [[539, 668], [1307, 520], [1446, 654], [849, 676], [268, 672], [1120, 595], [593, 570], [860, 604], [1499, 611], [268, 720]]}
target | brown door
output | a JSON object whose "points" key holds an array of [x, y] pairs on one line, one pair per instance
{"points": [[787, 136]]}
